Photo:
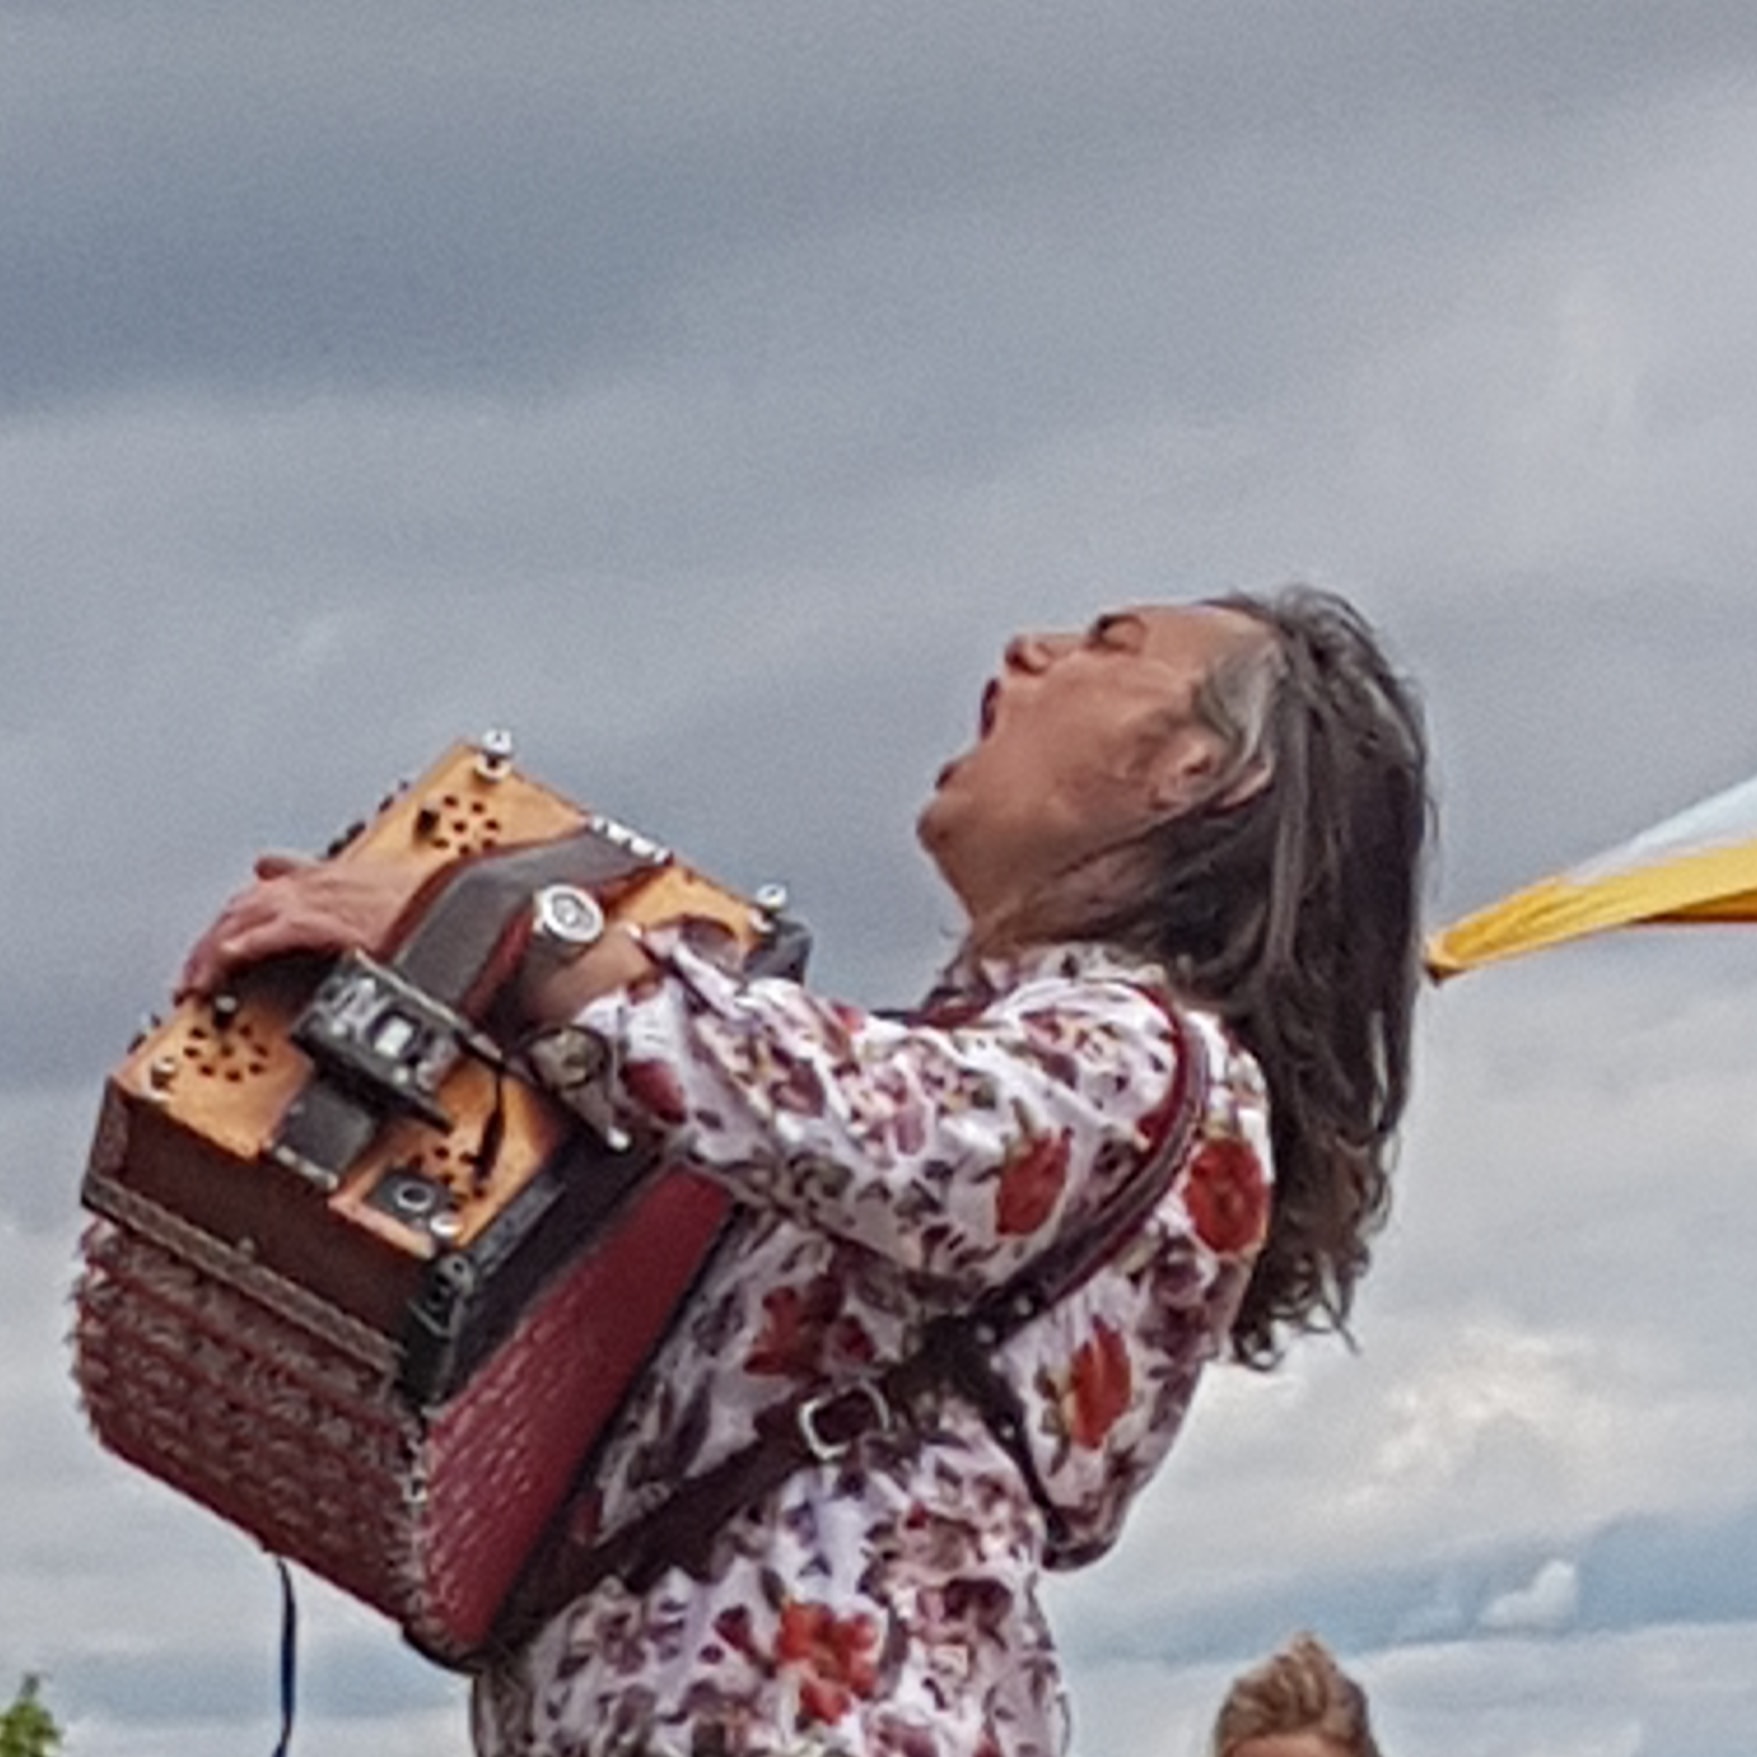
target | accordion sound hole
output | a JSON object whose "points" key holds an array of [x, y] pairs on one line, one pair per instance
{"points": [[447, 1164], [233, 1055], [463, 826]]}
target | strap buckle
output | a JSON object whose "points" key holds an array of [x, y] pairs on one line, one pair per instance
{"points": [[871, 1410]]}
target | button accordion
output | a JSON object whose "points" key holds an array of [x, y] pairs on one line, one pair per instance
{"points": [[353, 1280]]}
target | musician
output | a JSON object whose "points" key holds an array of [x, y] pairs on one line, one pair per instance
{"points": [[1187, 842]]}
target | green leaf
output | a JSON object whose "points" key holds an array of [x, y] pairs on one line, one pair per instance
{"points": [[27, 1728]]}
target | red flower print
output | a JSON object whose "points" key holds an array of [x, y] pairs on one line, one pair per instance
{"points": [[837, 1654], [794, 1322], [733, 1626], [1031, 1184], [1099, 1387], [1227, 1196], [849, 1338], [654, 1086]]}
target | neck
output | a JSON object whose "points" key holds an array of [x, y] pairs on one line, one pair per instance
{"points": [[1064, 905]]}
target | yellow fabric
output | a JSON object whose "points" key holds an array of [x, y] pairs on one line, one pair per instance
{"points": [[1716, 884]]}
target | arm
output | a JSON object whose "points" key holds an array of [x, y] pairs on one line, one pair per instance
{"points": [[958, 1153], [329, 906]]}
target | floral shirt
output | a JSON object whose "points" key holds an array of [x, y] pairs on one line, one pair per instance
{"points": [[887, 1170]]}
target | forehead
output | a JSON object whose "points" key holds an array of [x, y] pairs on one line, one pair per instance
{"points": [[1309, 1743], [1193, 634]]}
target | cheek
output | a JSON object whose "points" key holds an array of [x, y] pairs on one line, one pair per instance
{"points": [[1107, 779], [1068, 782]]}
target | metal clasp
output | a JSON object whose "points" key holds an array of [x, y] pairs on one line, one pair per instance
{"points": [[827, 1451]]}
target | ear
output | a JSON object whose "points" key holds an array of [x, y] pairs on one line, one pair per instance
{"points": [[1190, 771], [1185, 768], [1246, 784]]}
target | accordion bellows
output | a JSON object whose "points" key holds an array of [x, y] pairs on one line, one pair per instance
{"points": [[393, 1369]]}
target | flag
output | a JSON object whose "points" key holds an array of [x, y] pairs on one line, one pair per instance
{"points": [[1698, 866]]}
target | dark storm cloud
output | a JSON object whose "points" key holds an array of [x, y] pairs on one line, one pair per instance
{"points": [[706, 391], [247, 198]]}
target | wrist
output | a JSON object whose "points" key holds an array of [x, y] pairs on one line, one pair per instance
{"points": [[572, 957]]}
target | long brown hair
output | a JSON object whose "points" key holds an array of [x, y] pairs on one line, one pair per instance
{"points": [[1293, 911]]}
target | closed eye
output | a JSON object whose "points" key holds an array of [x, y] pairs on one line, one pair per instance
{"points": [[1121, 630]]}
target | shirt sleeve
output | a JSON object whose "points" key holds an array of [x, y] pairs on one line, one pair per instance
{"points": [[956, 1151]]}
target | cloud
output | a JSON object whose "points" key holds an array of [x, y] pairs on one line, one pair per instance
{"points": [[1657, 1692], [708, 394], [1660, 1692], [291, 202], [1549, 1602]]}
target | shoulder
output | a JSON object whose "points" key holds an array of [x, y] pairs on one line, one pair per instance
{"points": [[1089, 990], [1081, 979]]}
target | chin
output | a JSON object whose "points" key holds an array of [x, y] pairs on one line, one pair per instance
{"points": [[937, 835], [930, 824]]}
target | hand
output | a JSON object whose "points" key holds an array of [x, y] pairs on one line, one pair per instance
{"points": [[301, 906], [554, 994]]}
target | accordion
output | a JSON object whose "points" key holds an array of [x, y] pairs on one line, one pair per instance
{"points": [[353, 1280]]}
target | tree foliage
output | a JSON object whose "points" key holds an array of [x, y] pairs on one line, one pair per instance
{"points": [[27, 1728]]}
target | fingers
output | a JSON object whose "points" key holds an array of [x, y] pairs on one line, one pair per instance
{"points": [[230, 943], [273, 866], [264, 918], [205, 969], [239, 938], [298, 905]]}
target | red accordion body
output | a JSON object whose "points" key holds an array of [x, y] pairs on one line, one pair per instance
{"points": [[386, 1342]]}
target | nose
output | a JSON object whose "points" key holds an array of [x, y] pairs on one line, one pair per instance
{"points": [[1035, 653]]}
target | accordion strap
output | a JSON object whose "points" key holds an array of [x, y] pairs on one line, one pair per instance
{"points": [[456, 942], [821, 1424]]}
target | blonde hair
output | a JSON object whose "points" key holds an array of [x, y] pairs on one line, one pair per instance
{"points": [[1301, 1689]]}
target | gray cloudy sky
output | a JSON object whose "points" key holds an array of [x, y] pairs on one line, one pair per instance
{"points": [[707, 391]]}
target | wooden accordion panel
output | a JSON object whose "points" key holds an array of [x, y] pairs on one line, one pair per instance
{"points": [[394, 1374]]}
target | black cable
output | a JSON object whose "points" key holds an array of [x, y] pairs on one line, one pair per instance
{"points": [[289, 1656]]}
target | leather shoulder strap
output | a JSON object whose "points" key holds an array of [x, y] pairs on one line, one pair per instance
{"points": [[960, 1351], [1072, 1261], [823, 1423]]}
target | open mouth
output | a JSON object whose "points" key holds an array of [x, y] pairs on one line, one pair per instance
{"points": [[986, 712]]}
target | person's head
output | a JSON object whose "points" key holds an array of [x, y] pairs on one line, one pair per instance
{"points": [[1238, 789], [1085, 741], [1298, 1703]]}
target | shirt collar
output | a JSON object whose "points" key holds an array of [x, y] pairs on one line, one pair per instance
{"points": [[970, 977]]}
